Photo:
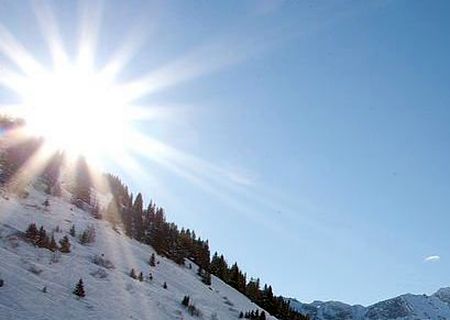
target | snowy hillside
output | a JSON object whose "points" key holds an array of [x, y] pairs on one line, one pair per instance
{"points": [[110, 292], [405, 307]]}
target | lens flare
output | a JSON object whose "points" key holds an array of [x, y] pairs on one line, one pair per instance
{"points": [[76, 110]]}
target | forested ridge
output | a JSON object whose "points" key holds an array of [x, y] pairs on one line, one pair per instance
{"points": [[145, 223]]}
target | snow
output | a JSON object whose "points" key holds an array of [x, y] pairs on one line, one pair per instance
{"points": [[110, 293], [404, 307]]}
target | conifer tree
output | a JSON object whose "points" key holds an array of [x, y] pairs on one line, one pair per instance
{"points": [[79, 289], [88, 235], [51, 173], [52, 245], [64, 245], [141, 276], [42, 238], [165, 285], [185, 301], [72, 231], [151, 261], [82, 188], [138, 224], [133, 274], [32, 232]]}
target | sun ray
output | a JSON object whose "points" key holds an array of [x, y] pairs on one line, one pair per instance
{"points": [[15, 51], [90, 17], [203, 175], [124, 54], [32, 168], [11, 79], [47, 23], [202, 60], [13, 137], [56, 92]]}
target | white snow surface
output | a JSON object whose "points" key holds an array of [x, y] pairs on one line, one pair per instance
{"points": [[110, 293]]}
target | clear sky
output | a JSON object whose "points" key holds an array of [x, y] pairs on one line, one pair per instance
{"points": [[311, 138]]}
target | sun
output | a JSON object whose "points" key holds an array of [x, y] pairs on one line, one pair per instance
{"points": [[75, 109]]}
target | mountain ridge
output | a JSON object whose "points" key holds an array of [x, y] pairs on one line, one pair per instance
{"points": [[406, 307]]}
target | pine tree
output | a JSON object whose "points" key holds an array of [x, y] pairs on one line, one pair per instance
{"points": [[42, 238], [83, 237], [51, 173], [165, 285], [72, 231], [31, 232], [64, 245], [79, 289], [82, 189], [141, 276], [151, 261], [185, 301], [137, 222], [205, 276], [133, 274], [88, 235], [262, 316], [52, 245]]}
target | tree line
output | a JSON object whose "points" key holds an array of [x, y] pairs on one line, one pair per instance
{"points": [[146, 224]]}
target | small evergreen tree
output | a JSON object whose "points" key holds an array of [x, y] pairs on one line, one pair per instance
{"points": [[52, 245], [206, 278], [185, 301], [141, 277], [88, 235], [133, 273], [2, 283], [72, 231], [31, 232], [79, 289], [165, 285], [42, 240], [64, 245], [151, 261]]}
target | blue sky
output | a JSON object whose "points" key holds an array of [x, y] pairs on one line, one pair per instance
{"points": [[315, 133]]}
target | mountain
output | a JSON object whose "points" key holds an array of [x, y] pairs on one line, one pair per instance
{"points": [[405, 307], [39, 284]]}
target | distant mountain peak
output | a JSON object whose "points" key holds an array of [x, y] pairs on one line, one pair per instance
{"points": [[405, 307]]}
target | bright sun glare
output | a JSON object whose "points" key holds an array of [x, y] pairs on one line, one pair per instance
{"points": [[75, 109], [81, 107]]}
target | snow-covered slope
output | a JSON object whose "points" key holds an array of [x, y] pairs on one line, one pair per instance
{"points": [[405, 307], [110, 292]]}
